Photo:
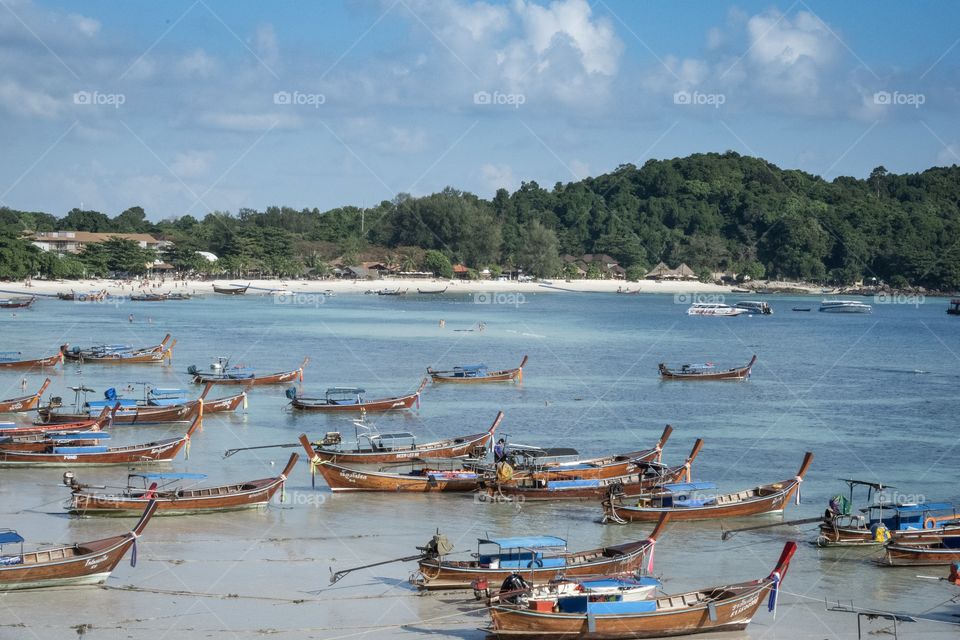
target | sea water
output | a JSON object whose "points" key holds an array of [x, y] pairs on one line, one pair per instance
{"points": [[872, 396]]}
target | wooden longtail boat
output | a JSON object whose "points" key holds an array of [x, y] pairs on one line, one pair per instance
{"points": [[422, 478], [24, 403], [431, 292], [768, 498], [80, 563], [646, 477], [153, 414], [79, 296], [706, 372], [398, 447], [121, 355], [350, 399], [882, 522], [537, 559], [58, 456], [87, 424], [940, 549], [9, 361], [478, 373], [246, 376], [231, 291], [728, 607], [46, 441], [603, 467], [177, 501], [22, 302]]}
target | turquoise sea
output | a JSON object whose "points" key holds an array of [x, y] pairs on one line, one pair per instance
{"points": [[872, 396]]}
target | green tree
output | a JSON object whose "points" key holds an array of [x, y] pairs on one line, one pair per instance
{"points": [[438, 264], [539, 251]]}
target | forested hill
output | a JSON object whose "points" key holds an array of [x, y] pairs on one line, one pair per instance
{"points": [[712, 211]]}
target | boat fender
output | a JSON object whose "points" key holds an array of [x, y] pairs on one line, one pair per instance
{"points": [[110, 394], [291, 393]]}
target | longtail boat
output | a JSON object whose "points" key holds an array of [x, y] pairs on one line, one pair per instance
{"points": [[232, 290], [147, 414], [525, 460], [80, 296], [768, 498], [20, 302], [11, 360], [728, 607], [60, 456], [478, 373], [80, 563], [431, 292], [558, 595], [224, 374], [383, 448], [350, 399], [880, 522], [176, 500], [536, 558], [121, 354], [24, 403], [706, 372], [46, 441], [423, 477], [646, 477], [87, 424], [941, 549]]}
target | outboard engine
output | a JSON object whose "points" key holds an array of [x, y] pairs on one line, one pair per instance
{"points": [[438, 545], [192, 370], [291, 393], [75, 350], [56, 402], [514, 585], [70, 480]]}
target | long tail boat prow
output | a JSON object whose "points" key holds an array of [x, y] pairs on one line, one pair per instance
{"points": [[24, 403], [478, 373]]}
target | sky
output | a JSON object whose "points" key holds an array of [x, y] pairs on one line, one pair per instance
{"points": [[196, 106]]}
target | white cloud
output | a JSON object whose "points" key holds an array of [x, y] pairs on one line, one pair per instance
{"points": [[191, 164], [86, 26], [265, 45], [24, 101], [594, 39], [499, 176], [790, 56], [245, 122], [197, 63]]}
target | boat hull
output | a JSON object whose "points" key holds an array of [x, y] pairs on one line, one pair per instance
{"points": [[340, 478], [504, 375], [38, 363], [452, 448]]}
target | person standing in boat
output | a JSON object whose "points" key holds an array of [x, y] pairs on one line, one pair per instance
{"points": [[500, 452]]}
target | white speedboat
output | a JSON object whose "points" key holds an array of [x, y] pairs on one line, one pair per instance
{"points": [[755, 307], [844, 306], [714, 309]]}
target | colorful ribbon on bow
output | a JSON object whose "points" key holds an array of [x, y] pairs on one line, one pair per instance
{"points": [[774, 593], [283, 485], [798, 480], [133, 550], [651, 542]]}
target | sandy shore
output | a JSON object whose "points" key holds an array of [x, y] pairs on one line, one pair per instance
{"points": [[203, 287]]}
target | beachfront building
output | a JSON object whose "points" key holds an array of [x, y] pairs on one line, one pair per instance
{"points": [[73, 242], [598, 263], [663, 272]]}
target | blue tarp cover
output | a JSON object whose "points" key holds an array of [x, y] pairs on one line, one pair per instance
{"points": [[606, 583], [72, 450], [569, 484], [83, 435], [621, 607], [689, 486], [9, 537], [471, 367], [526, 542]]}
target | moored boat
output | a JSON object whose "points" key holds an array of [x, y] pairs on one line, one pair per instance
{"points": [[954, 308], [680, 503], [81, 296], [172, 500], [383, 448], [728, 607], [941, 549], [121, 354], [79, 563], [537, 558], [19, 302], [223, 373], [88, 424], [232, 290], [431, 292], [714, 309], [844, 306], [351, 399], [24, 403], [11, 360], [478, 373], [707, 371], [755, 307]]}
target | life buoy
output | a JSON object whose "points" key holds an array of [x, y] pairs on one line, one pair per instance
{"points": [[930, 523], [536, 562]]}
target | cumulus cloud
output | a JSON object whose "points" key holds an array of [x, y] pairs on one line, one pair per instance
{"points": [[498, 176], [197, 63], [24, 101], [191, 164]]}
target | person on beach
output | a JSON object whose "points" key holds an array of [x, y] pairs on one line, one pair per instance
{"points": [[130, 318]]}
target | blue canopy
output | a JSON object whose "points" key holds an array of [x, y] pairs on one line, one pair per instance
{"points": [[83, 435], [525, 542], [607, 583], [471, 367], [923, 506], [689, 486], [8, 537], [572, 484], [168, 392], [169, 476], [400, 435]]}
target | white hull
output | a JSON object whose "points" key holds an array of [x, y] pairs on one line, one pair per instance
{"points": [[96, 578]]}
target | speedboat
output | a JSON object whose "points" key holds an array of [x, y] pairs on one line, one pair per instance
{"points": [[755, 307], [714, 309], [844, 306]]}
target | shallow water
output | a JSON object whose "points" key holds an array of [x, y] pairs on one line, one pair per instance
{"points": [[872, 396]]}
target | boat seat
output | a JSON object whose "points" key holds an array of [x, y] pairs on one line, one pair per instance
{"points": [[621, 607]]}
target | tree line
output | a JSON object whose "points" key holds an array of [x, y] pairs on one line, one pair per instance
{"points": [[716, 212]]}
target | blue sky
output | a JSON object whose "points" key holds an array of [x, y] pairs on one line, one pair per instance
{"points": [[188, 107]]}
